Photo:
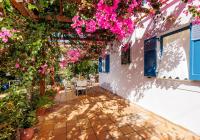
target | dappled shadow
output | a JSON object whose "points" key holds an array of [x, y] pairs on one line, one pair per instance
{"points": [[128, 80], [100, 115]]}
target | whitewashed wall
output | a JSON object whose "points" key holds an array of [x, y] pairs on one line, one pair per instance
{"points": [[176, 100]]}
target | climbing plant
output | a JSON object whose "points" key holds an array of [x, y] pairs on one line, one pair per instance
{"points": [[30, 50]]}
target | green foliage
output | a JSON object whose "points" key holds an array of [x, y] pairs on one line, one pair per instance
{"points": [[50, 93], [66, 73], [31, 47], [32, 7], [70, 9], [85, 68], [7, 132], [193, 10], [15, 112], [44, 102], [30, 119], [52, 7], [7, 5]]}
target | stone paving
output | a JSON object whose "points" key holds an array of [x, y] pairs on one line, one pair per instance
{"points": [[104, 116]]}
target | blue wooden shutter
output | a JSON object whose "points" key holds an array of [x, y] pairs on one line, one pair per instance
{"points": [[195, 60], [107, 63], [150, 57], [100, 64]]}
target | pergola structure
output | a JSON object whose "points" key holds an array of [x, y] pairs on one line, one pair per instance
{"points": [[100, 36]]}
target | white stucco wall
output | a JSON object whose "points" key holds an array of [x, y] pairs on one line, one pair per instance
{"points": [[176, 100]]}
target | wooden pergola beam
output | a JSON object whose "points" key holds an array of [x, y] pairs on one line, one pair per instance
{"points": [[27, 13], [97, 36], [20, 7], [61, 7], [59, 18], [85, 39]]}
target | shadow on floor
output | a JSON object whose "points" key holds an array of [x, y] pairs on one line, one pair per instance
{"points": [[100, 115]]}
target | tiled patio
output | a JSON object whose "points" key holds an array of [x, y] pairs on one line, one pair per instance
{"points": [[100, 115]]}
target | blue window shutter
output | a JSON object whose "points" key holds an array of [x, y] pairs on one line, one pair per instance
{"points": [[100, 64], [107, 63], [195, 60], [150, 57]]}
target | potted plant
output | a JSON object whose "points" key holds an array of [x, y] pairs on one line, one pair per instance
{"points": [[51, 93], [7, 131], [42, 104], [27, 130], [15, 114]]}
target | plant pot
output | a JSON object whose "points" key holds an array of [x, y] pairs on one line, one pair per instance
{"points": [[58, 89], [26, 134], [40, 111]]}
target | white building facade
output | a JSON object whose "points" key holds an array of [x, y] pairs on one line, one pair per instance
{"points": [[172, 90]]}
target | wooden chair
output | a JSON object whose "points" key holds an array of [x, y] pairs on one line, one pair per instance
{"points": [[81, 85]]}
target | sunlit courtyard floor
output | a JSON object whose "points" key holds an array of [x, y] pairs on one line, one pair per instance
{"points": [[100, 115]]}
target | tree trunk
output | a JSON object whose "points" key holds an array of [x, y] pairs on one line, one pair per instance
{"points": [[42, 84], [52, 77]]}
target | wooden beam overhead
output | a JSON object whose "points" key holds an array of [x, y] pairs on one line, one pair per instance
{"points": [[27, 13], [20, 7], [60, 18], [97, 36], [74, 1], [61, 7]]}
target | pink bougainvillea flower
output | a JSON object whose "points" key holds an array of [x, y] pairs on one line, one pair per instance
{"points": [[43, 69], [75, 18], [196, 21], [73, 56], [5, 39], [90, 26], [5, 34], [79, 31], [17, 65], [63, 63]]}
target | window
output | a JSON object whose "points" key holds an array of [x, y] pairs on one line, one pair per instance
{"points": [[174, 60], [126, 54], [104, 64], [150, 62]]}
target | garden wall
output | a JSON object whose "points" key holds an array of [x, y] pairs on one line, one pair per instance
{"points": [[176, 99]]}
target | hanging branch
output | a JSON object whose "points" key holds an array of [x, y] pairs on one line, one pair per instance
{"points": [[61, 7]]}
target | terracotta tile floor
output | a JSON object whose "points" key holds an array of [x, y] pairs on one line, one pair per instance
{"points": [[104, 116]]}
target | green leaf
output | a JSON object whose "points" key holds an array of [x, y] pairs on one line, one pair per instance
{"points": [[32, 7]]}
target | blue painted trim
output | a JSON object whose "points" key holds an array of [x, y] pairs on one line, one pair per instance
{"points": [[192, 76], [190, 64]]}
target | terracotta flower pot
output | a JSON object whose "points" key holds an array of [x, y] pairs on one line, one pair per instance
{"points": [[26, 134], [40, 111]]}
